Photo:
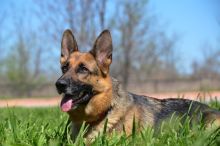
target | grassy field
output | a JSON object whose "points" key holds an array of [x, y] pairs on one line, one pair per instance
{"points": [[45, 126]]}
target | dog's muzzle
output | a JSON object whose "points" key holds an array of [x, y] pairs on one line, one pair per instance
{"points": [[75, 93]]}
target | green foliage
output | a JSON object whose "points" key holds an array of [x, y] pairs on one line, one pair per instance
{"points": [[46, 126], [19, 71]]}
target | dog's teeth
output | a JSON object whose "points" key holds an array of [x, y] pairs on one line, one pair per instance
{"points": [[80, 94], [74, 107]]}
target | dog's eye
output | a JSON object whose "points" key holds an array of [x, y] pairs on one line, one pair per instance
{"points": [[65, 68], [82, 69]]}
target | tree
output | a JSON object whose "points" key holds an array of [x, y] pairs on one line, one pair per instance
{"points": [[84, 17], [21, 78], [22, 63], [1, 45], [141, 49], [209, 68], [132, 28]]}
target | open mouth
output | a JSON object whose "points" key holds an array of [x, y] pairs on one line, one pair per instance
{"points": [[70, 101]]}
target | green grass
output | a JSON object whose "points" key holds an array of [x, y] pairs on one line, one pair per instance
{"points": [[45, 126]]}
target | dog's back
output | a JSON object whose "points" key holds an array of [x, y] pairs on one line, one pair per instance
{"points": [[147, 111], [163, 109]]}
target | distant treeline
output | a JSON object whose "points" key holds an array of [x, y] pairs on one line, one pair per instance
{"points": [[30, 46]]}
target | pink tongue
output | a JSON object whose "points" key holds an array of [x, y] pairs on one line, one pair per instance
{"points": [[66, 105]]}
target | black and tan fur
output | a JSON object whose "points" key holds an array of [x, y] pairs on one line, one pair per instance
{"points": [[105, 97]]}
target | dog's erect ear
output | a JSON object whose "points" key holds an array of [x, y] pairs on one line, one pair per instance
{"points": [[68, 45], [102, 51]]}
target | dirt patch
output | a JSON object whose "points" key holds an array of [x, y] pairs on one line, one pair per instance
{"points": [[30, 102], [199, 96], [55, 101]]}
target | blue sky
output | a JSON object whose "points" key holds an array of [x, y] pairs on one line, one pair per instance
{"points": [[195, 21]]}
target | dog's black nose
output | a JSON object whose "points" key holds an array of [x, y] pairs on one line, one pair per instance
{"points": [[61, 85]]}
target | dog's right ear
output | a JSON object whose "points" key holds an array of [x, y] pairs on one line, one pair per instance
{"points": [[68, 46], [102, 51]]}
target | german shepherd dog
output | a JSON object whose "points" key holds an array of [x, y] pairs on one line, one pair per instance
{"points": [[91, 95]]}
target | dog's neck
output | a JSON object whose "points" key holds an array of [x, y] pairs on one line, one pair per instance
{"points": [[100, 118], [120, 100], [114, 94], [106, 101]]}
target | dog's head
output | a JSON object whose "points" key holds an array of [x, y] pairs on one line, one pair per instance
{"points": [[85, 80]]}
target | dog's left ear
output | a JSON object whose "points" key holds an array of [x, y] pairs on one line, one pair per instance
{"points": [[102, 51]]}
